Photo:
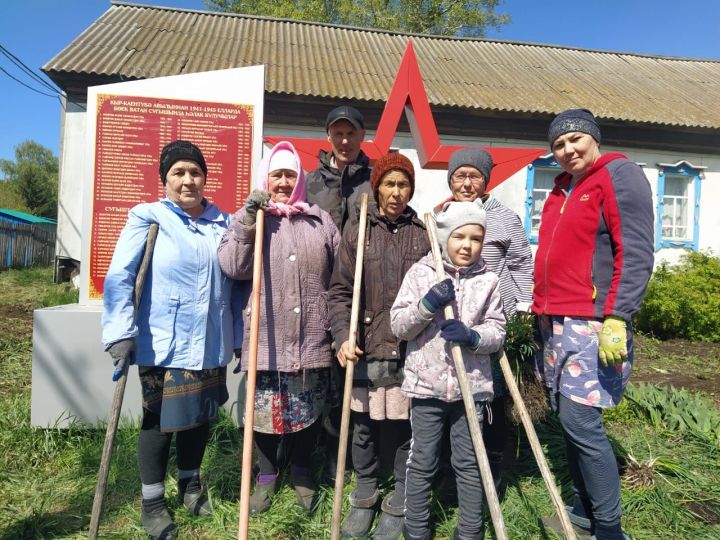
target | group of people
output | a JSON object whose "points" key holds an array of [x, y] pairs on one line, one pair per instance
{"points": [[593, 262]]}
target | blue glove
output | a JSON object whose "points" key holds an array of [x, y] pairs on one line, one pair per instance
{"points": [[457, 331], [440, 295], [238, 355], [123, 354]]}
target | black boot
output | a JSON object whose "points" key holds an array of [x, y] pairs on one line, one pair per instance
{"points": [[458, 536], [305, 487], [391, 519], [408, 536], [192, 495], [156, 519], [359, 521]]}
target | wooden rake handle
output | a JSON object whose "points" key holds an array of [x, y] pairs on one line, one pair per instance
{"points": [[246, 474], [349, 370], [537, 449], [469, 402], [118, 395]]}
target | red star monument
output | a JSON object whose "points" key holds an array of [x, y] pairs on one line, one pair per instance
{"points": [[408, 94]]}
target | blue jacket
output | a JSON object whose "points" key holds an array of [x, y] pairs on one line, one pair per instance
{"points": [[185, 319]]}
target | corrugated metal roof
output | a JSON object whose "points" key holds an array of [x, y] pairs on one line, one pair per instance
{"points": [[311, 59]]}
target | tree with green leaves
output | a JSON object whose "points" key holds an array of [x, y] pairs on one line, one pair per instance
{"points": [[33, 176], [437, 17]]}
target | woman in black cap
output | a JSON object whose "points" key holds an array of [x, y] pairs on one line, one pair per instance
{"points": [[594, 259], [182, 334]]}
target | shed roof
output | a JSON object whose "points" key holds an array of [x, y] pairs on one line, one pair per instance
{"points": [[131, 41], [23, 216]]}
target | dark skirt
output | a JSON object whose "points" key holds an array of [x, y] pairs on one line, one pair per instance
{"points": [[183, 399]]}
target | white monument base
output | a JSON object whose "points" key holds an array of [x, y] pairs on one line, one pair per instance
{"points": [[71, 373]]}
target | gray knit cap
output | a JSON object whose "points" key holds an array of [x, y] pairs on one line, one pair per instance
{"points": [[455, 214], [581, 120], [473, 157]]}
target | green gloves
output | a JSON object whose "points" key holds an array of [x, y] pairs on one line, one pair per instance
{"points": [[612, 341]]}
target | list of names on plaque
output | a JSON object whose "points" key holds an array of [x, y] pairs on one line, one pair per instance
{"points": [[130, 133]]}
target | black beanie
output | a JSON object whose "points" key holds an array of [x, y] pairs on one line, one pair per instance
{"points": [[176, 151], [581, 120]]}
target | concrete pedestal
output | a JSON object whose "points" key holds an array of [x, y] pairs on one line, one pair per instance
{"points": [[71, 373]]}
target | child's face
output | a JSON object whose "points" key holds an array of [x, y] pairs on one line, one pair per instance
{"points": [[465, 244]]}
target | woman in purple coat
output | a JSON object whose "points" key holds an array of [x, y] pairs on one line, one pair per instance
{"points": [[294, 356]]}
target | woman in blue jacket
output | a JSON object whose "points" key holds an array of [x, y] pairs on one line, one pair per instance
{"points": [[182, 334]]}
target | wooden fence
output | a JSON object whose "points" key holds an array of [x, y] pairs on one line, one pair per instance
{"points": [[26, 245]]}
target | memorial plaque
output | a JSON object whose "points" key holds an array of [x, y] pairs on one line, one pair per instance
{"points": [[130, 133]]}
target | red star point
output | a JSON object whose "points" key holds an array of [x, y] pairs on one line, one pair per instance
{"points": [[408, 95]]}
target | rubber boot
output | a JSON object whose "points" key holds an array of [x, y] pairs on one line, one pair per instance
{"points": [[193, 497], [458, 536], [408, 536], [305, 487], [580, 513], [156, 519], [359, 521], [609, 532], [265, 488], [391, 519]]}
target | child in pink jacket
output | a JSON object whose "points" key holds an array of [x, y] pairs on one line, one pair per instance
{"points": [[430, 379]]}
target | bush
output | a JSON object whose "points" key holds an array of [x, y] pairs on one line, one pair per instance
{"points": [[683, 301]]}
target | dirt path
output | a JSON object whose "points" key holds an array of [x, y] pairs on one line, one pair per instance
{"points": [[679, 363]]}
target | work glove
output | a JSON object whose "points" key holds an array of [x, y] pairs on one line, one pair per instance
{"points": [[439, 295], [123, 354], [612, 341], [238, 355], [257, 199], [457, 331]]}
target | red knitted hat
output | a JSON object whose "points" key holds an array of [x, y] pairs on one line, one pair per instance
{"points": [[394, 161]]}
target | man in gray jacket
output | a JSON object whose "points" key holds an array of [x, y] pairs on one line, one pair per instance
{"points": [[343, 174]]}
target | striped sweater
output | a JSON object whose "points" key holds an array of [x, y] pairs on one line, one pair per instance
{"points": [[507, 254]]}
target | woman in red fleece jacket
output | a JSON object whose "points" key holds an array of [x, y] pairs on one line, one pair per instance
{"points": [[594, 259]]}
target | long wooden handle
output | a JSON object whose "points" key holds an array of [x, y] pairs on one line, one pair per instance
{"points": [[537, 449], [468, 401], [246, 474], [118, 395], [349, 370]]}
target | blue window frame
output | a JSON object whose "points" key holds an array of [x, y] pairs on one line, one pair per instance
{"points": [[678, 206], [541, 175]]}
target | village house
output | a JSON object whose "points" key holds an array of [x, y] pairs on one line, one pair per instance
{"points": [[662, 112]]}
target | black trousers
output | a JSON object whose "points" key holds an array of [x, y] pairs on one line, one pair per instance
{"points": [[153, 449], [428, 417], [299, 446], [374, 439]]}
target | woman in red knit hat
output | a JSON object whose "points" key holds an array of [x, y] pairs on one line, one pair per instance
{"points": [[395, 239]]}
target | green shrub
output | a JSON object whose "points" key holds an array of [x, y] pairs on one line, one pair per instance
{"points": [[683, 301]]}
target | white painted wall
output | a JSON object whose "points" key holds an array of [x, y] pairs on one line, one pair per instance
{"points": [[70, 189], [431, 185]]}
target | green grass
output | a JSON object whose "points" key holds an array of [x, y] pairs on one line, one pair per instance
{"points": [[47, 476]]}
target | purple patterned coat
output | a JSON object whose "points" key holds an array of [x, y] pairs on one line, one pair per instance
{"points": [[298, 257], [429, 367]]}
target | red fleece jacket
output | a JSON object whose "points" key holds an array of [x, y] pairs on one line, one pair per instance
{"points": [[595, 244]]}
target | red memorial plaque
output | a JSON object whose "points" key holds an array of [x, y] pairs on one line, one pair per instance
{"points": [[131, 131]]}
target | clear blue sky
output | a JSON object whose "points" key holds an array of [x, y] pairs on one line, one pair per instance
{"points": [[36, 30]]}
